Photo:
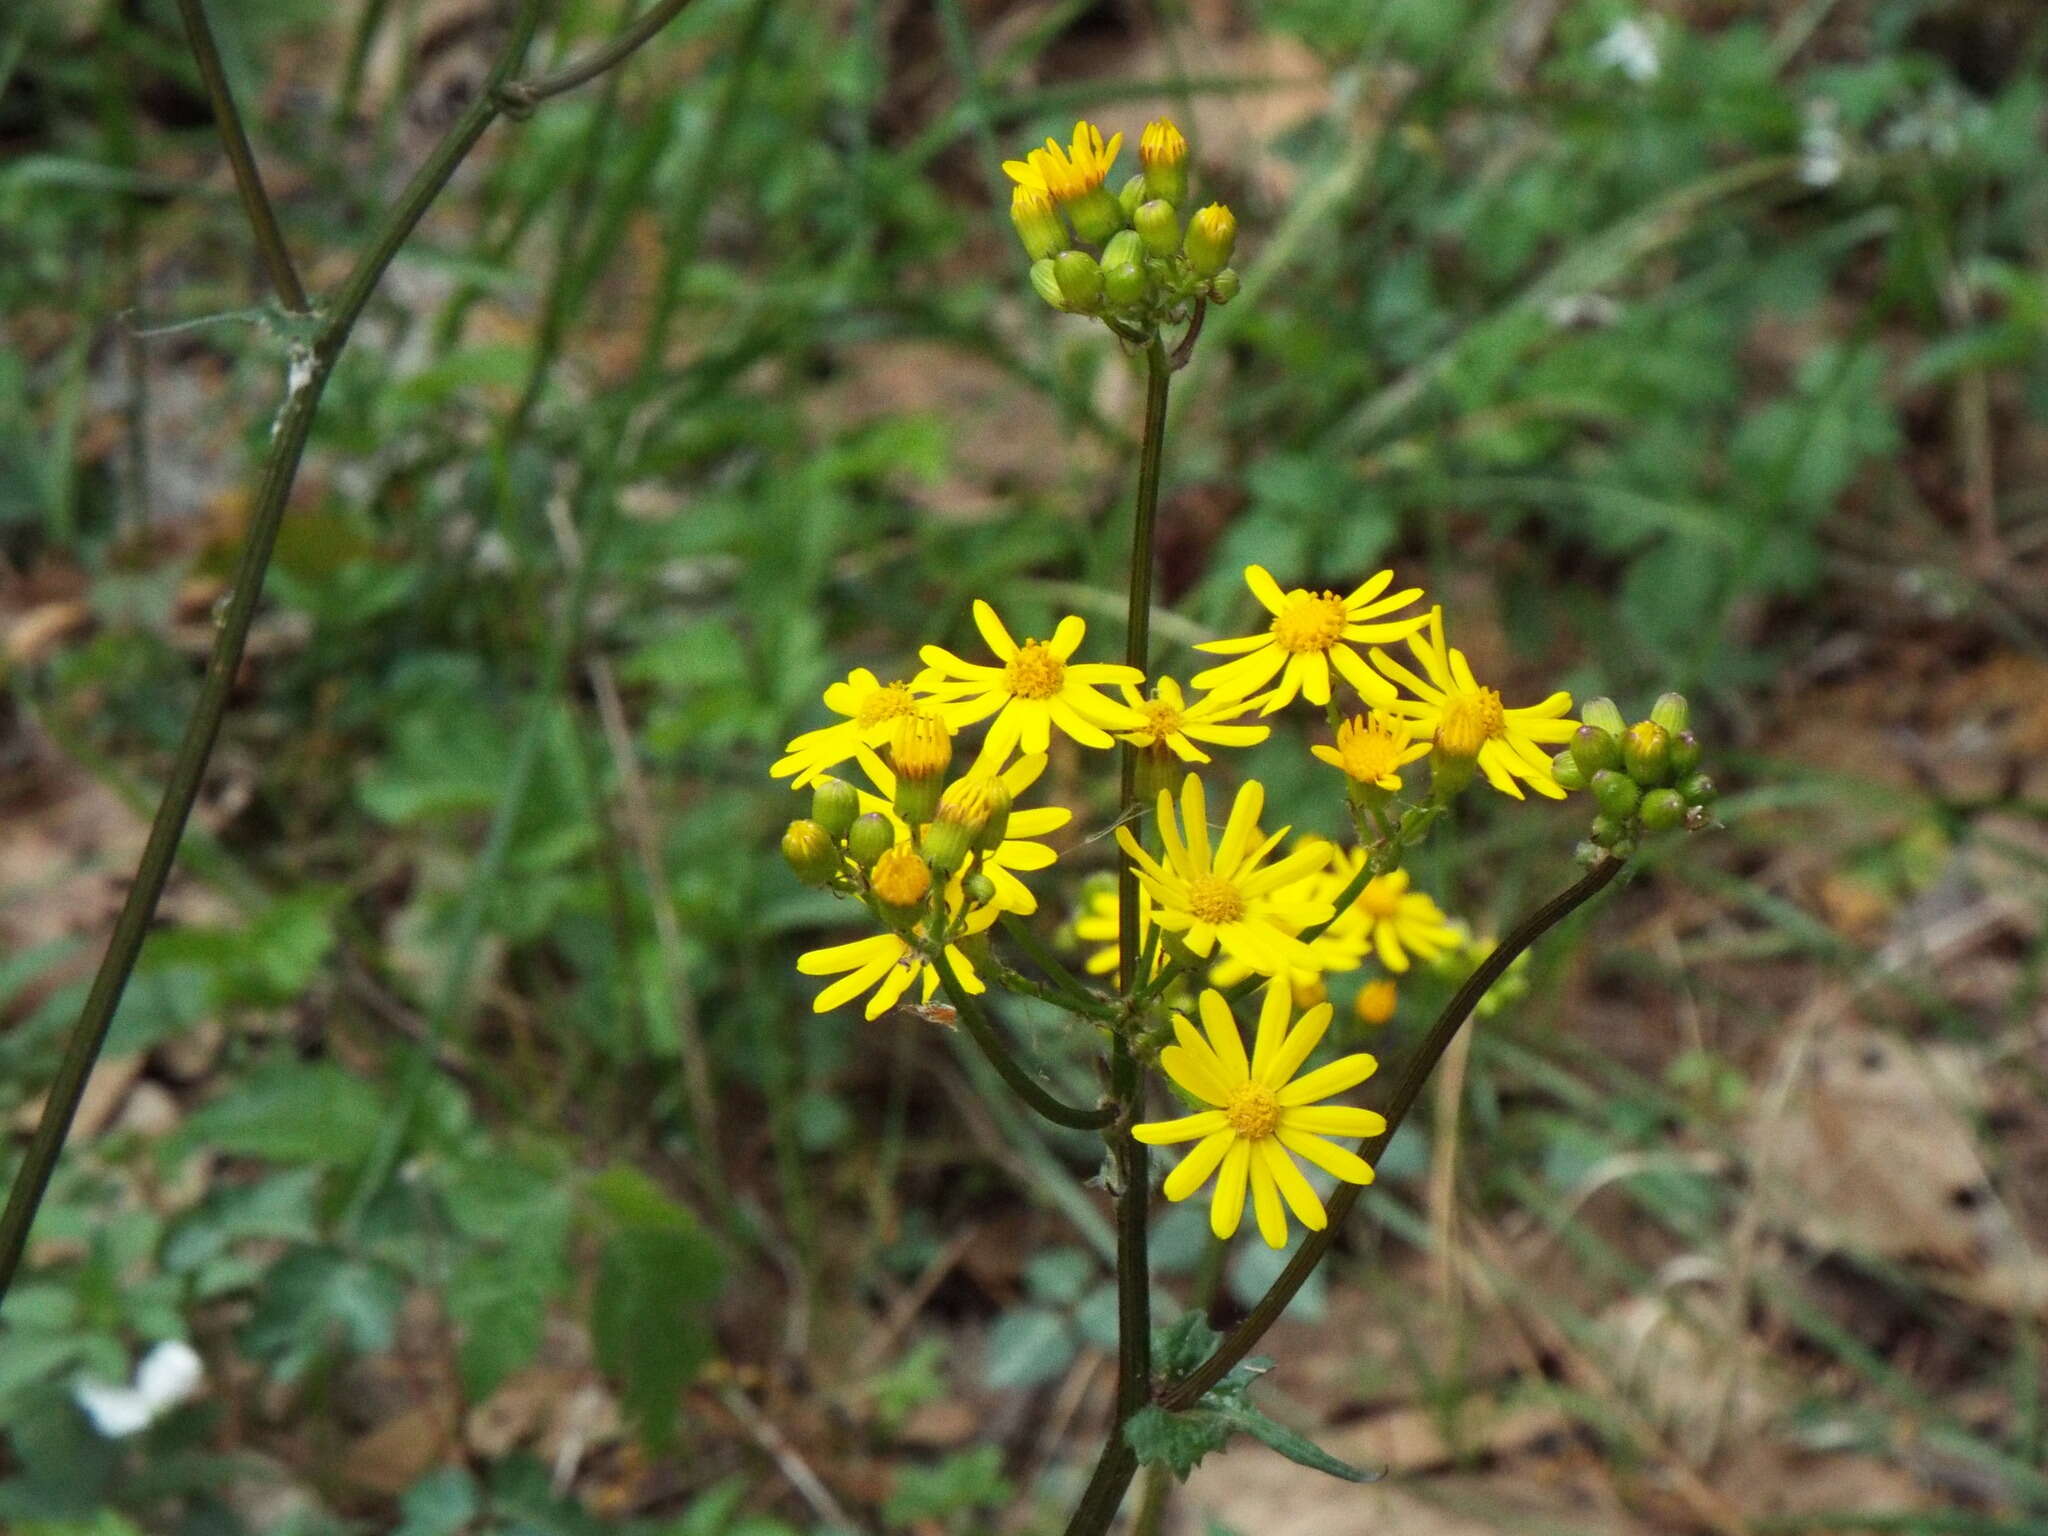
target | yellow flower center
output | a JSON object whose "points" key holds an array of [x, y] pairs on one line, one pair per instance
{"points": [[1214, 900], [884, 704], [1253, 1112], [1034, 672], [1470, 721], [1161, 720], [1369, 753], [901, 878], [1309, 622], [1381, 898]]}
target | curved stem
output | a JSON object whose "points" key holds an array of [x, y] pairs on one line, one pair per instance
{"points": [[1079, 996], [524, 95], [982, 1028], [277, 257], [1188, 1391]]}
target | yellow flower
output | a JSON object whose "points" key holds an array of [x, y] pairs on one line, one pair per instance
{"points": [[1017, 851], [1262, 1116], [1310, 633], [1376, 1002], [1162, 144], [1386, 918], [1226, 897], [1372, 751], [890, 964], [871, 708], [1170, 721], [1098, 922], [1036, 687], [1467, 720], [1070, 173]]}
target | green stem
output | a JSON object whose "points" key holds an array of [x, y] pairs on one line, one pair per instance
{"points": [[1188, 1391], [277, 259], [983, 1030], [1080, 997], [525, 95], [1017, 982]]}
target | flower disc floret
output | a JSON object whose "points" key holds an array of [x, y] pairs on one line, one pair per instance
{"points": [[1261, 1113]]}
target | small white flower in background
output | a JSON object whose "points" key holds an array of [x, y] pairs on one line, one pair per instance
{"points": [[1582, 311], [169, 1374], [1630, 47], [1822, 149]]}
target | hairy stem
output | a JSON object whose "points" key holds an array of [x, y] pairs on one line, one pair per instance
{"points": [[1188, 1391]]}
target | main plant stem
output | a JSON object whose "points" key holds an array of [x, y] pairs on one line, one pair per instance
{"points": [[1114, 1469], [310, 367]]}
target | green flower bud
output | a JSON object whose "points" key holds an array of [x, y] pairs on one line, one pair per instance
{"points": [[1698, 789], [1594, 750], [1646, 753], [1624, 848], [1617, 794], [1566, 770], [1124, 285], [1672, 712], [1685, 754], [1606, 831], [1663, 809], [1601, 712], [1212, 235], [1132, 196], [1123, 246], [834, 804], [1158, 226], [810, 851], [1080, 279], [978, 889], [945, 845], [1096, 215], [869, 838], [1448, 775], [1224, 285], [1037, 223], [1047, 284], [1163, 151]]}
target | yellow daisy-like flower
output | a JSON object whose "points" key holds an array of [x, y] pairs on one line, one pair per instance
{"points": [[889, 964], [1386, 918], [1229, 896], [1310, 633], [1037, 686], [1262, 1116], [1465, 719], [1170, 721], [1017, 851], [1066, 174], [1373, 750], [871, 708]]}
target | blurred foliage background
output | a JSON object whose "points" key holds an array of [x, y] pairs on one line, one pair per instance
{"points": [[466, 1114]]}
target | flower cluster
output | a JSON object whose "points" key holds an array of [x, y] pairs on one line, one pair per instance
{"points": [[1144, 269]]}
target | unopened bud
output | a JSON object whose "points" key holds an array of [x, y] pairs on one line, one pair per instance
{"points": [[1096, 215], [1607, 831], [1080, 279], [1046, 284], [834, 804], [1449, 774], [1132, 197], [1158, 226], [1038, 223], [1685, 754], [1376, 1002], [901, 880], [810, 851], [945, 845], [978, 889], [1124, 285], [1224, 285], [1698, 789], [1672, 712], [1163, 151], [920, 752], [1595, 749], [1646, 753], [1211, 237], [1616, 793], [1566, 770], [1663, 809], [869, 838], [1123, 246], [1604, 714]]}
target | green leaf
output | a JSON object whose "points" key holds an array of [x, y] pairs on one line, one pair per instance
{"points": [[289, 1113], [440, 1504], [1026, 1347], [1176, 1441], [1294, 1446], [967, 1480]]}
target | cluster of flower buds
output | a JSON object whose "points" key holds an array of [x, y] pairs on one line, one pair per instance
{"points": [[929, 834], [1644, 777], [1146, 269]]}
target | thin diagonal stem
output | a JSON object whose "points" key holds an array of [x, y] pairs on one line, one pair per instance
{"points": [[1188, 1391], [277, 257], [524, 95], [984, 1032]]}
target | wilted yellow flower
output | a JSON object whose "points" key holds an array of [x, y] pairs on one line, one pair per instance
{"points": [[1467, 720], [1036, 687], [1262, 1116], [871, 708], [1226, 897], [1372, 750], [1168, 720], [1310, 633]]}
